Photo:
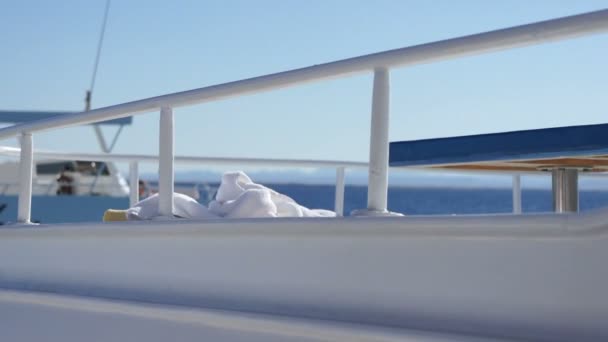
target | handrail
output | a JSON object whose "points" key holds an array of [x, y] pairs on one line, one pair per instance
{"points": [[114, 157], [518, 36]]}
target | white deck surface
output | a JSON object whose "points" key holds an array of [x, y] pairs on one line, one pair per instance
{"points": [[30, 316]]}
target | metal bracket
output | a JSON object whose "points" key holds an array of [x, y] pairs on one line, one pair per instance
{"points": [[564, 183]]}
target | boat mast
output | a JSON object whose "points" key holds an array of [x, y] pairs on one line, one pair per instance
{"points": [[89, 94]]}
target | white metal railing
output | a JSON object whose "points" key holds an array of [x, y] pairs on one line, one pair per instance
{"points": [[49, 188], [519, 36], [106, 157]]}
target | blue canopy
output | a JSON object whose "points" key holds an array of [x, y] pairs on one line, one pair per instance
{"points": [[585, 146]]}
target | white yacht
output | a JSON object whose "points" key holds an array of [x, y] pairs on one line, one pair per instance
{"points": [[95, 184], [90, 178]]}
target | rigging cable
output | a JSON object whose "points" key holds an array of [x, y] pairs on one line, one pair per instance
{"points": [[97, 57]]}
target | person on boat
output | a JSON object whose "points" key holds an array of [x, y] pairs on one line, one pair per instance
{"points": [[65, 181], [143, 189]]}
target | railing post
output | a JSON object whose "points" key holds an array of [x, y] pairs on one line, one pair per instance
{"points": [[339, 199], [165, 163], [516, 194], [26, 167], [133, 183], [377, 191]]}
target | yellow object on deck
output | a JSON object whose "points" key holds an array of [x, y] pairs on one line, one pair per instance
{"points": [[114, 215]]}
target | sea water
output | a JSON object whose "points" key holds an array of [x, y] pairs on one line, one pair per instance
{"points": [[406, 200], [435, 201]]}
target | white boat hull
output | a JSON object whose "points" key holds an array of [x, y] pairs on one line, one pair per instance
{"points": [[539, 277]]}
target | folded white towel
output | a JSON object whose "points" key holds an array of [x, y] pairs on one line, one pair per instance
{"points": [[237, 197]]}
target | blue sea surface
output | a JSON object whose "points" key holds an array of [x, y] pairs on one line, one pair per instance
{"points": [[434, 201], [406, 200]]}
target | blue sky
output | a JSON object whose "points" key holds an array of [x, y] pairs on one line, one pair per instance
{"points": [[156, 47]]}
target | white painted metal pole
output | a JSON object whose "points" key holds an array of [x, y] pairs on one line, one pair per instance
{"points": [[516, 194], [165, 164], [339, 200], [378, 150], [133, 183], [26, 167]]}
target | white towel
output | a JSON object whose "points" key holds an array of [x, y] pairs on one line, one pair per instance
{"points": [[237, 197], [183, 206]]}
